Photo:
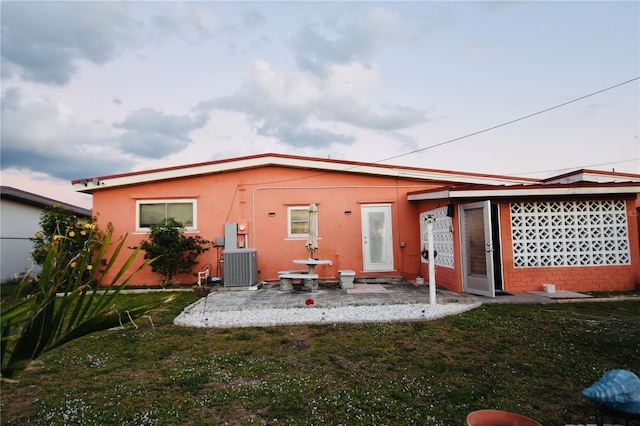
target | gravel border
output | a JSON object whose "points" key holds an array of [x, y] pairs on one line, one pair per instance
{"points": [[195, 316]]}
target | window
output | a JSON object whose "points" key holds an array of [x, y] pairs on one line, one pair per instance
{"points": [[155, 211], [298, 221]]}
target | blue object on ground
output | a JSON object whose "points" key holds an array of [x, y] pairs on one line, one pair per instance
{"points": [[617, 389]]}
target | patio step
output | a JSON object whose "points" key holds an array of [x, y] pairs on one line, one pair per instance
{"points": [[380, 279]]}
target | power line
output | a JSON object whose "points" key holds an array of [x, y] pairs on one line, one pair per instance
{"points": [[509, 122], [471, 134]]}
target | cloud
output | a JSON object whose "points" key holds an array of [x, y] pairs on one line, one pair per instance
{"points": [[339, 71], [306, 137], [201, 22], [317, 48], [253, 19], [153, 134], [46, 137], [192, 22], [46, 42], [10, 100], [501, 6], [299, 109]]}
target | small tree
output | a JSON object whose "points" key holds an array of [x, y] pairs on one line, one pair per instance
{"points": [[175, 253]]}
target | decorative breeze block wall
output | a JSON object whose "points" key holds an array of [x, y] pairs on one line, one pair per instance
{"points": [[570, 233], [442, 236]]}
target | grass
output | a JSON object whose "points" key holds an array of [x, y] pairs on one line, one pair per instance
{"points": [[530, 359]]}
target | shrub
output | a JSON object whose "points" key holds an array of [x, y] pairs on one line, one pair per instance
{"points": [[56, 223], [175, 253]]}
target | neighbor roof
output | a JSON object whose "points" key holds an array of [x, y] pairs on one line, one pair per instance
{"points": [[597, 176], [88, 185], [24, 197]]}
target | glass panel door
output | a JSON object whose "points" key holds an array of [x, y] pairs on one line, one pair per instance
{"points": [[377, 240], [477, 249]]}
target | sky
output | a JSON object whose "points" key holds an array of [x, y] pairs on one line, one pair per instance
{"points": [[530, 89]]}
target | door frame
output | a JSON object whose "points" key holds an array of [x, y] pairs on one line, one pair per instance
{"points": [[367, 264], [472, 283]]}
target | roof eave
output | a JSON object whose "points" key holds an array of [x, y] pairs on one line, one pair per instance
{"points": [[523, 192], [91, 184]]}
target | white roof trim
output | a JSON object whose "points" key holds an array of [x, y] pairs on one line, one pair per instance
{"points": [[452, 177], [586, 176], [436, 195], [88, 185], [523, 192]]}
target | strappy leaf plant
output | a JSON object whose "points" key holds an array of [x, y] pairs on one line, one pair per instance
{"points": [[66, 303]]}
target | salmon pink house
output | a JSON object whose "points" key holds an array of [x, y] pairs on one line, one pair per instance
{"points": [[577, 231]]}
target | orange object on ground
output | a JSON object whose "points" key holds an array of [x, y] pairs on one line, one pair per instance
{"points": [[498, 418]]}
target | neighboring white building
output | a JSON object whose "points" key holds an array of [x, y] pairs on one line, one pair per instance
{"points": [[20, 213]]}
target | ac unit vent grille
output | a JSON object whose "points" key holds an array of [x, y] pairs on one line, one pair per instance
{"points": [[240, 267]]}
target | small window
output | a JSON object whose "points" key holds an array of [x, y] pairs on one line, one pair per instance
{"points": [[155, 211], [298, 221]]}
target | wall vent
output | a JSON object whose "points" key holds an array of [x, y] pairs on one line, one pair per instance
{"points": [[240, 267]]}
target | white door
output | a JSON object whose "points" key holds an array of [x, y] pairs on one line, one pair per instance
{"points": [[377, 241], [477, 249]]}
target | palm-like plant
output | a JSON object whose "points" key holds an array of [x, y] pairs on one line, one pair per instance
{"points": [[67, 303]]}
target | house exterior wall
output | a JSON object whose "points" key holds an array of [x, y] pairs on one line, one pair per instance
{"points": [[522, 279], [259, 198], [19, 221], [573, 278]]}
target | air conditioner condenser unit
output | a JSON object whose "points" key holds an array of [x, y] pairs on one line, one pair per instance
{"points": [[240, 267]]}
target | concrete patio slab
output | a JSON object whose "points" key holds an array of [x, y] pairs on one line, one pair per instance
{"points": [[394, 300], [561, 294]]}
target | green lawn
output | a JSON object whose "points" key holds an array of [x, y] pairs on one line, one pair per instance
{"points": [[530, 359]]}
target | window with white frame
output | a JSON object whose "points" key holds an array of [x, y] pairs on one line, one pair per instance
{"points": [[570, 233], [298, 221], [150, 212]]}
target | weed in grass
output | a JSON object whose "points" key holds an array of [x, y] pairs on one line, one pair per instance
{"points": [[242, 336]]}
